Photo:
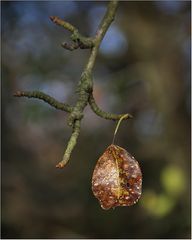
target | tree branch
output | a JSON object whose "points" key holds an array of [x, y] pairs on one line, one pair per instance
{"points": [[71, 144], [85, 85], [80, 40], [104, 25], [63, 23], [103, 114], [70, 46], [46, 98]]}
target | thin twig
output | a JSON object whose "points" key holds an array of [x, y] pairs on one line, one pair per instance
{"points": [[69, 46], [104, 25], [79, 39], [103, 114], [46, 98], [71, 144], [63, 23]]}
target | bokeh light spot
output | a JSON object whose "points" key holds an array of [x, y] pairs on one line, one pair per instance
{"points": [[173, 180], [157, 205]]}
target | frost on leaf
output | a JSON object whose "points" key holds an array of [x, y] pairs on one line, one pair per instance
{"points": [[117, 178]]}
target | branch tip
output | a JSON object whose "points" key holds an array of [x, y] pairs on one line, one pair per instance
{"points": [[60, 165], [52, 18], [69, 47], [18, 94], [129, 115], [63, 23], [71, 144]]}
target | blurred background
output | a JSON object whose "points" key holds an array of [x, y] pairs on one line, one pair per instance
{"points": [[143, 68]]}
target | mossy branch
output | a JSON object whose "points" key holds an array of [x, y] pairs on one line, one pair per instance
{"points": [[85, 85], [71, 144], [79, 40], [103, 114], [46, 98]]}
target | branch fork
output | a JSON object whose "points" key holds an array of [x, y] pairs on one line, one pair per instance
{"points": [[85, 86], [79, 40]]}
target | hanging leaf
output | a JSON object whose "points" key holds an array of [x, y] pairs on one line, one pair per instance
{"points": [[117, 178]]}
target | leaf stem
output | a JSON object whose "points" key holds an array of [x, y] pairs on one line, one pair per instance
{"points": [[125, 116]]}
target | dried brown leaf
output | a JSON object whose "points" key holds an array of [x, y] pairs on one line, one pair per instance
{"points": [[117, 178]]}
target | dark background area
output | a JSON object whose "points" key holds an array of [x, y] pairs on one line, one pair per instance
{"points": [[143, 68]]}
